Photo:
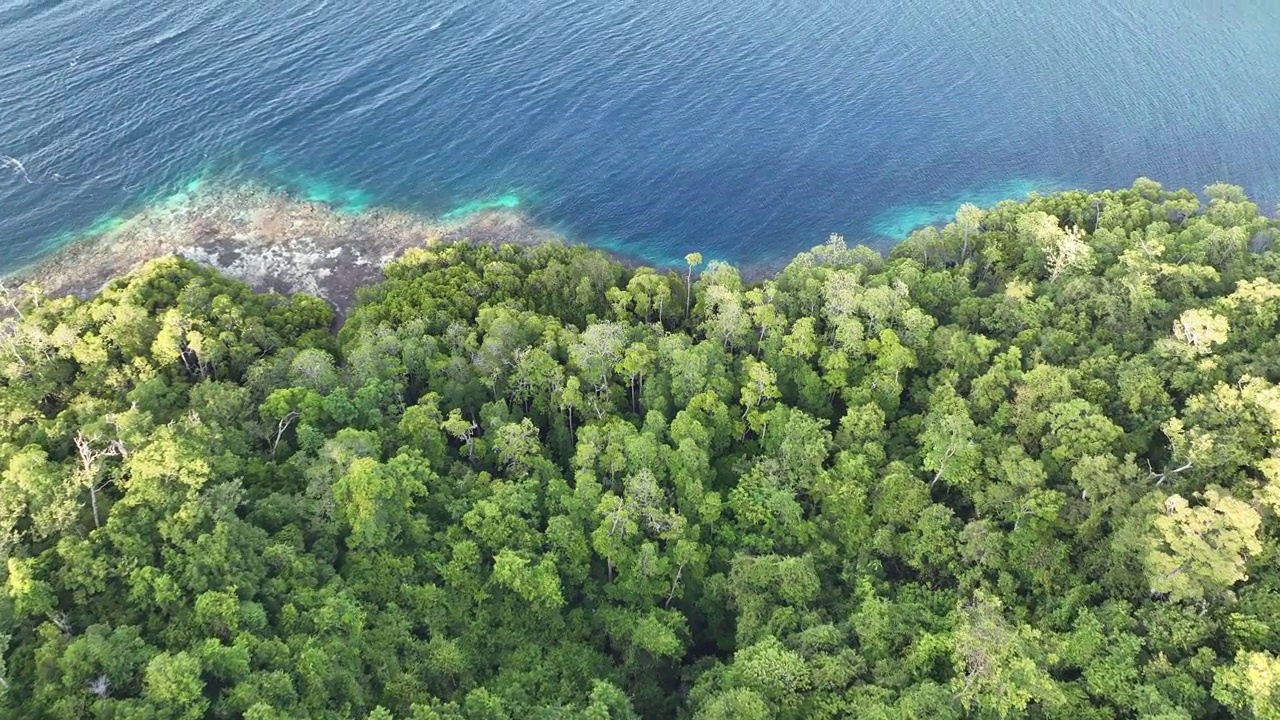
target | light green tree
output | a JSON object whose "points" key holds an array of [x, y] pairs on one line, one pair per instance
{"points": [[1198, 553], [1250, 685]]}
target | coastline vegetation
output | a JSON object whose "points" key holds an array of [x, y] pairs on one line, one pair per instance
{"points": [[1024, 466]]}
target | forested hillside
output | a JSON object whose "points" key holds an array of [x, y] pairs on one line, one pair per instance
{"points": [[1023, 467]]}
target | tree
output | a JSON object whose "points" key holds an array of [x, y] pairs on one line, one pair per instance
{"points": [[636, 361], [571, 399], [999, 664], [1198, 553], [1201, 330], [535, 379], [174, 687], [537, 584], [693, 260], [1064, 250], [1250, 686], [516, 446], [949, 442], [35, 498], [759, 385], [726, 316], [969, 218], [422, 427], [802, 341], [649, 292], [461, 429], [374, 498], [596, 355], [92, 475], [735, 704]]}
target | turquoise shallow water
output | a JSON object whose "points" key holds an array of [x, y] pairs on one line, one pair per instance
{"points": [[898, 221], [746, 131]]}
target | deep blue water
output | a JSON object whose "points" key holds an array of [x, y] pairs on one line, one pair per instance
{"points": [[745, 130]]}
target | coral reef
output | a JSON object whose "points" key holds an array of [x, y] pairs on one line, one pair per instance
{"points": [[269, 239]]}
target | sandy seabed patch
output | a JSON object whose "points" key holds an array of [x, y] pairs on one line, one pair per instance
{"points": [[270, 240]]}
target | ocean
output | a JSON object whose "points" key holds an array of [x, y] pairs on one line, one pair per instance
{"points": [[747, 131]]}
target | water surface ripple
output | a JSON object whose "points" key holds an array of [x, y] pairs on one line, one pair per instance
{"points": [[747, 131]]}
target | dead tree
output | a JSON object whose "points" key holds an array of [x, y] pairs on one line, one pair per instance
{"points": [[281, 427], [92, 476]]}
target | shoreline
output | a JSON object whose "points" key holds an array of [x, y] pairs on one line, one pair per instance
{"points": [[272, 241], [278, 241]]}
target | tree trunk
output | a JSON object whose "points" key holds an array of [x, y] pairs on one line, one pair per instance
{"points": [[93, 502], [688, 293], [281, 427], [674, 584]]}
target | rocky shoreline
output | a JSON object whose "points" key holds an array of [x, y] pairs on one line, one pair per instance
{"points": [[270, 240]]}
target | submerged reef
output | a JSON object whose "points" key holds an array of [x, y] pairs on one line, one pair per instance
{"points": [[272, 240]]}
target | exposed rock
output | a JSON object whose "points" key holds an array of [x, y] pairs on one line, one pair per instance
{"points": [[270, 240]]}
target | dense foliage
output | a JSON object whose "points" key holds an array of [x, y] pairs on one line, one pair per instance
{"points": [[1024, 467]]}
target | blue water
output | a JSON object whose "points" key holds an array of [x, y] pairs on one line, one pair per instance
{"points": [[744, 130]]}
